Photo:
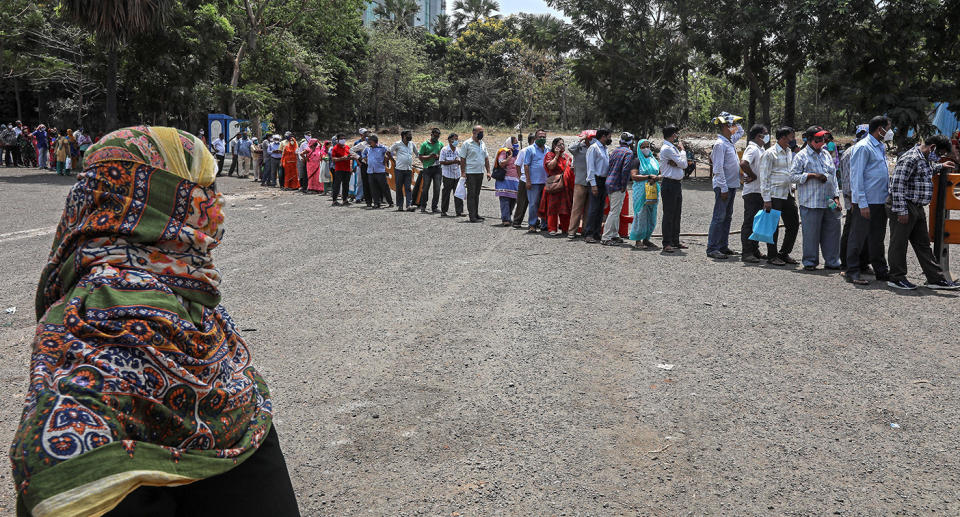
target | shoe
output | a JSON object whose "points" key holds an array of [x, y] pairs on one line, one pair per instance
{"points": [[571, 236], [589, 240], [650, 245], [461, 215], [617, 240], [717, 255], [480, 217], [422, 211], [531, 229], [610, 242], [336, 203], [399, 210], [854, 278], [390, 205], [776, 261], [669, 249], [554, 234], [444, 214], [787, 259], [750, 259], [346, 203], [682, 246], [412, 209], [942, 285], [882, 276], [434, 211], [901, 284], [474, 220], [506, 224], [728, 251], [760, 256], [809, 268]]}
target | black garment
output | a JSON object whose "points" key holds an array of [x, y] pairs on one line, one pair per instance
{"points": [[449, 185], [752, 203], [671, 192], [790, 216], [870, 234], [302, 174], [594, 226], [520, 211], [914, 232], [379, 188], [401, 180], [845, 237], [474, 181], [233, 164], [429, 176], [258, 486], [219, 164], [365, 181], [341, 182]]}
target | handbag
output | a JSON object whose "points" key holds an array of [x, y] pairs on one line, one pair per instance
{"points": [[651, 191], [554, 184], [499, 173], [765, 225]]}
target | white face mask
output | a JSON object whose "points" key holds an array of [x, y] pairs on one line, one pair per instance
{"points": [[888, 136], [766, 138], [646, 152], [342, 142]]}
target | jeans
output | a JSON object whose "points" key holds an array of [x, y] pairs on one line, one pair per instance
{"points": [[449, 185], [401, 180], [821, 232], [595, 211], [431, 176], [42, 158], [378, 188], [752, 203], [671, 198], [363, 186], [341, 184], [791, 223], [611, 228], [719, 237], [521, 208], [474, 181], [578, 212], [870, 234], [914, 232], [506, 208], [534, 192]]}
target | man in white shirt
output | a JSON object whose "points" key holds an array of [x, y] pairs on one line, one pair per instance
{"points": [[474, 161], [673, 161], [776, 190], [726, 181], [752, 200], [598, 164], [219, 150], [521, 209], [403, 152], [302, 160], [450, 174]]}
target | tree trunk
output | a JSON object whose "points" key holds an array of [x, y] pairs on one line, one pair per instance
{"points": [[16, 94], [110, 105], [790, 99], [765, 106], [563, 106], [752, 107]]}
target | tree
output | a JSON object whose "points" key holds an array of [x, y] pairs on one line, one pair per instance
{"points": [[442, 26], [397, 14], [114, 22], [466, 12]]}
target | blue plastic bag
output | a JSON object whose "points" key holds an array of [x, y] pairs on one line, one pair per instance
{"points": [[764, 225]]}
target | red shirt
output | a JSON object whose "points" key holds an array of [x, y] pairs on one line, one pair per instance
{"points": [[337, 152]]}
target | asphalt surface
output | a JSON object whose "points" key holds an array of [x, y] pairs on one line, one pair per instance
{"points": [[428, 366]]}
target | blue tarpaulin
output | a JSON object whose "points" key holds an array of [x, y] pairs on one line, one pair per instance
{"points": [[945, 120]]}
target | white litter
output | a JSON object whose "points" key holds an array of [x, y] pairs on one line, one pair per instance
{"points": [[11, 310], [667, 367], [894, 425]]}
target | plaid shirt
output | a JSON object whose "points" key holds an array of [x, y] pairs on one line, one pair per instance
{"points": [[619, 169], [912, 180], [814, 193]]}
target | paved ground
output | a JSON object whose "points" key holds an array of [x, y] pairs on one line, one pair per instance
{"points": [[423, 366]]}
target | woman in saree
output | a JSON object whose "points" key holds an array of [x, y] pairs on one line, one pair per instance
{"points": [[74, 151], [555, 202], [646, 195], [507, 187], [142, 399], [288, 160], [314, 158], [326, 175]]}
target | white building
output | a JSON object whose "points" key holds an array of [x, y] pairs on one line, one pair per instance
{"points": [[425, 17]]}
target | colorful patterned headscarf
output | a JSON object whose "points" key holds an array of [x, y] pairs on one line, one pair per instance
{"points": [[138, 376]]}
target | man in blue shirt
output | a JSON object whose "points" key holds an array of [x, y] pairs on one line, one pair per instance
{"points": [[377, 156], [598, 165], [273, 153], [43, 141], [522, 203], [726, 181], [243, 152], [536, 179], [869, 186]]}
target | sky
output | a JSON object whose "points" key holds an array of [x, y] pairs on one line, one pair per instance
{"points": [[523, 6]]}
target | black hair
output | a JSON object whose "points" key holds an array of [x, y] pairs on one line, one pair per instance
{"points": [[338, 136], [878, 122], [554, 144], [755, 131], [371, 136], [940, 142], [406, 132], [452, 135], [530, 138], [434, 129], [602, 132], [669, 131], [784, 131], [539, 130]]}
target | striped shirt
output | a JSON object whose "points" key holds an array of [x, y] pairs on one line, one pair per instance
{"points": [[912, 180], [813, 193], [774, 173]]}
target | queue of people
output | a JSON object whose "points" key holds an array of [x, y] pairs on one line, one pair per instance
{"points": [[47, 149]]}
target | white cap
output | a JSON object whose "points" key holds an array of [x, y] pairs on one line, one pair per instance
{"points": [[362, 130]]}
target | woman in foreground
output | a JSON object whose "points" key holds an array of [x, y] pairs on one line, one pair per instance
{"points": [[142, 398]]}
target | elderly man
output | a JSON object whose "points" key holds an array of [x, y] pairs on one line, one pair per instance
{"points": [[844, 177], [911, 189], [598, 166], [536, 175], [403, 153], [758, 137], [623, 163], [474, 162], [775, 189], [869, 187], [245, 154], [726, 181], [818, 195], [673, 164], [363, 185], [581, 189], [450, 168]]}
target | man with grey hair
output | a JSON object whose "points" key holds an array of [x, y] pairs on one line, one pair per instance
{"points": [[474, 161]]}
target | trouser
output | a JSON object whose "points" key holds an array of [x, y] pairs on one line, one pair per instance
{"points": [[8, 157], [845, 239], [595, 212], [752, 203], [521, 209], [401, 180], [42, 158], [219, 164], [270, 171], [17, 159], [611, 228], [534, 193], [341, 184], [245, 162], [474, 181], [449, 185], [581, 200], [378, 188], [364, 183], [430, 176], [558, 222], [719, 237], [281, 172], [61, 167], [791, 225], [302, 174], [870, 234], [506, 208], [821, 233], [671, 197], [914, 232], [233, 165], [260, 485]]}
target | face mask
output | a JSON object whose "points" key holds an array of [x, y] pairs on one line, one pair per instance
{"points": [[793, 143], [888, 137], [341, 142], [541, 142], [646, 152], [480, 136], [515, 151], [831, 146], [455, 143], [515, 147], [766, 139]]}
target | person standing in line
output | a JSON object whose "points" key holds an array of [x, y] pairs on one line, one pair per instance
{"points": [[536, 179], [555, 201], [844, 177], [376, 156], [314, 159], [8, 141], [759, 136], [450, 168], [776, 190], [646, 190], [341, 156], [429, 155], [726, 181], [911, 189], [673, 164], [363, 182], [403, 153], [291, 181], [818, 195], [219, 150], [245, 155], [234, 162], [474, 162], [521, 209], [581, 189], [274, 152], [506, 159], [62, 153], [869, 187], [598, 165], [623, 166], [256, 152], [42, 142], [302, 151]]}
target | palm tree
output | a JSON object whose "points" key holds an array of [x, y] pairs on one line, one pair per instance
{"points": [[466, 12], [442, 26], [547, 33], [396, 13], [114, 21]]}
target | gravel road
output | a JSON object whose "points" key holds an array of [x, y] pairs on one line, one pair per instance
{"points": [[425, 366]]}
